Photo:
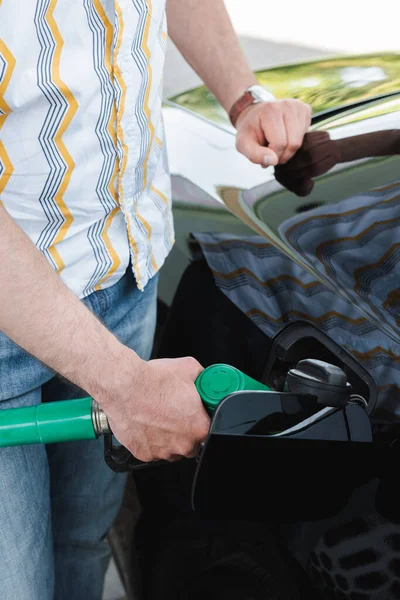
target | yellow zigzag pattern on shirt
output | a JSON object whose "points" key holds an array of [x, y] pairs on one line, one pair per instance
{"points": [[124, 147], [113, 134], [9, 59], [68, 116], [151, 126], [146, 50]]}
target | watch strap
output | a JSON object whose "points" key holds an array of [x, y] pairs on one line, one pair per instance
{"points": [[240, 105]]}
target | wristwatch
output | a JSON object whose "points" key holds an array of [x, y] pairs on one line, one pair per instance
{"points": [[253, 95]]}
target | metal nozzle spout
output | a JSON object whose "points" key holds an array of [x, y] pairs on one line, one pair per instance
{"points": [[100, 420]]}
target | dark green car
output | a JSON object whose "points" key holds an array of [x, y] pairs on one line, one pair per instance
{"points": [[280, 272]]}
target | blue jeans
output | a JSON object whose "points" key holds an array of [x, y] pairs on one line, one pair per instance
{"points": [[58, 502]]}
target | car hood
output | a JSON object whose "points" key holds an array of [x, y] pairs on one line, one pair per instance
{"points": [[346, 229], [333, 210], [326, 85]]}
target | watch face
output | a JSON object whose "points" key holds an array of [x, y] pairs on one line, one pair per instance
{"points": [[260, 94]]}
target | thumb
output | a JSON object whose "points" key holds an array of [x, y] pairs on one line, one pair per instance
{"points": [[260, 155]]}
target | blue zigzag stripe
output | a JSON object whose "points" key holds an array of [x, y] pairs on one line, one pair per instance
{"points": [[104, 195], [341, 245], [311, 223], [271, 288], [57, 109], [2, 67], [141, 61]]}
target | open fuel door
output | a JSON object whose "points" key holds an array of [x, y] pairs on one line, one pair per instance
{"points": [[297, 453], [305, 472]]}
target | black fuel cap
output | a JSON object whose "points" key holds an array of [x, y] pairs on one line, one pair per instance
{"points": [[320, 379]]}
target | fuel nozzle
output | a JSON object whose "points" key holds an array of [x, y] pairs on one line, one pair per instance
{"points": [[216, 382], [327, 383], [84, 419]]}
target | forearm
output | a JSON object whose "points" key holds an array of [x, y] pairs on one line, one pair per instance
{"points": [[203, 32], [44, 317]]}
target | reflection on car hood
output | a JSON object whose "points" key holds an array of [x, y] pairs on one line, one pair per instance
{"points": [[326, 84], [334, 209]]}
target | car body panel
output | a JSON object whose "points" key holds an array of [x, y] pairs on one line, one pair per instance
{"points": [[348, 185], [353, 250]]}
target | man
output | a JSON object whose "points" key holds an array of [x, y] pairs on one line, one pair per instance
{"points": [[85, 225]]}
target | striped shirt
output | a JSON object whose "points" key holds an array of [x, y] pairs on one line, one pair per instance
{"points": [[83, 165]]}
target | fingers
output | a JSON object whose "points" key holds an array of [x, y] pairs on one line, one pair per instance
{"points": [[191, 368], [164, 418], [183, 449], [285, 127], [247, 143], [295, 135], [272, 132]]}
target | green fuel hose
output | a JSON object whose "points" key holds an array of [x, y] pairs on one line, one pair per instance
{"points": [[83, 419], [47, 423]]}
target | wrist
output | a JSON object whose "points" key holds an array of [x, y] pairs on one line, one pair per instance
{"points": [[117, 377], [253, 95], [239, 87], [243, 115]]}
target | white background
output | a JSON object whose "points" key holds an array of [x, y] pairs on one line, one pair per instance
{"points": [[341, 25]]}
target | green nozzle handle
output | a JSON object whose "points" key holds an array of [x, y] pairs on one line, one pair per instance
{"points": [[218, 381], [83, 419]]}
